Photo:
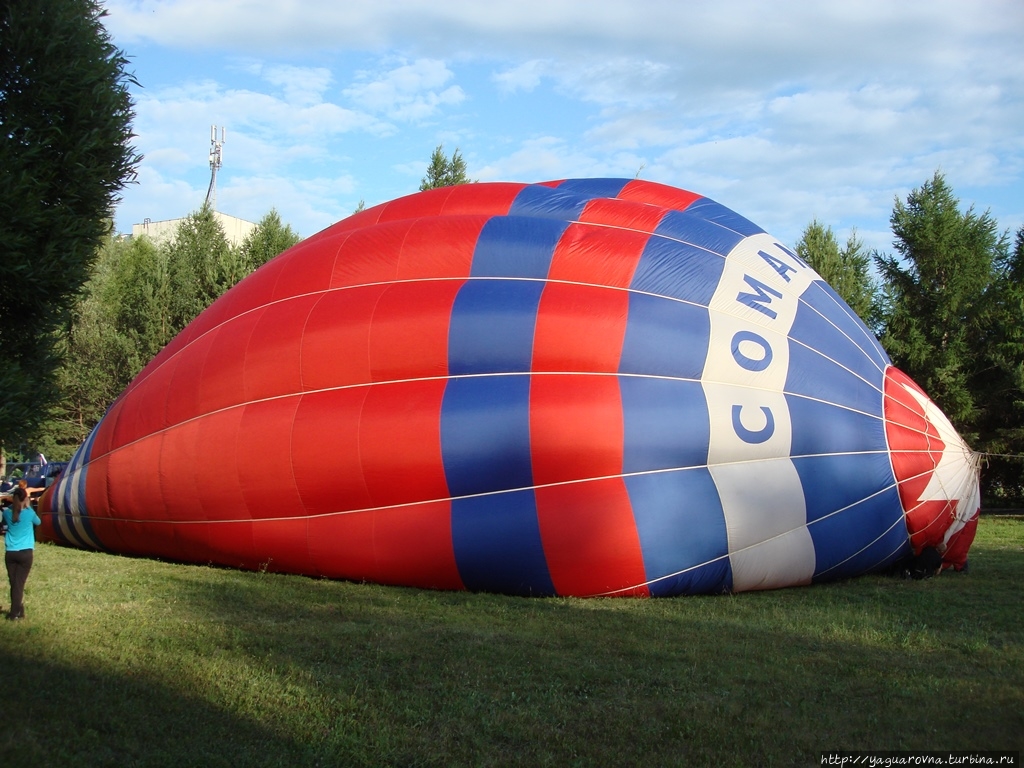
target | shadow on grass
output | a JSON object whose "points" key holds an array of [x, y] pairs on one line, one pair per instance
{"points": [[473, 679], [59, 715], [311, 672]]}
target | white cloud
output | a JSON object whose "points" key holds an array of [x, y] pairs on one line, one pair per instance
{"points": [[783, 110], [646, 129], [303, 86], [626, 82], [157, 198], [709, 37], [314, 201], [537, 160], [172, 124], [413, 91], [522, 77]]}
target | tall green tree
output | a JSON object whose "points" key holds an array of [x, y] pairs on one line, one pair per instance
{"points": [[936, 295], [847, 269], [444, 171], [134, 289], [270, 238], [201, 265], [999, 382], [100, 353], [117, 324], [65, 153]]}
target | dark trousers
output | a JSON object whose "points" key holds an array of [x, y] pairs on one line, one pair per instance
{"points": [[19, 563]]}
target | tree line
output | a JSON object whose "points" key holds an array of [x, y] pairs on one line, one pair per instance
{"points": [[140, 296]]}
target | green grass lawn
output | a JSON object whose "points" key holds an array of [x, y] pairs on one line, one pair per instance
{"points": [[127, 662]]}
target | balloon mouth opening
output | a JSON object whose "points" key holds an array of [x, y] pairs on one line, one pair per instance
{"points": [[936, 473]]}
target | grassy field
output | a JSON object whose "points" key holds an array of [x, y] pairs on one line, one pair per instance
{"points": [[126, 662]]}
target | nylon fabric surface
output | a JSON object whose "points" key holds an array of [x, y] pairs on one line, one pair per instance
{"points": [[581, 387]]}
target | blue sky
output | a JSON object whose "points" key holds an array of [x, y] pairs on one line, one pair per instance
{"points": [[785, 111]]}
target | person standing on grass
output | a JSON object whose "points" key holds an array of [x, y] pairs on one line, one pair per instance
{"points": [[20, 541]]}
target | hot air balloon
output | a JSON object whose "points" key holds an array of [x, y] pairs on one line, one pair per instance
{"points": [[583, 387]]}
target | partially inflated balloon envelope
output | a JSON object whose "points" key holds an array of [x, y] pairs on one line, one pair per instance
{"points": [[584, 387]]}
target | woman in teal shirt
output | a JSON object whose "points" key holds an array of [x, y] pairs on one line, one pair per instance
{"points": [[20, 541]]}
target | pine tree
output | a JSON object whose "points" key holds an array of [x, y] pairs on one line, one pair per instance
{"points": [[847, 270], [270, 238], [444, 172], [934, 321], [999, 382], [201, 265]]}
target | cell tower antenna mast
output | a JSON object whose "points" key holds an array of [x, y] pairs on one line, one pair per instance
{"points": [[216, 149]]}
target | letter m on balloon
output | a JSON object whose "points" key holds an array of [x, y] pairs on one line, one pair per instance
{"points": [[760, 298]]}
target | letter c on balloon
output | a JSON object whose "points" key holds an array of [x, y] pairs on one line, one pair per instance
{"points": [[749, 435]]}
